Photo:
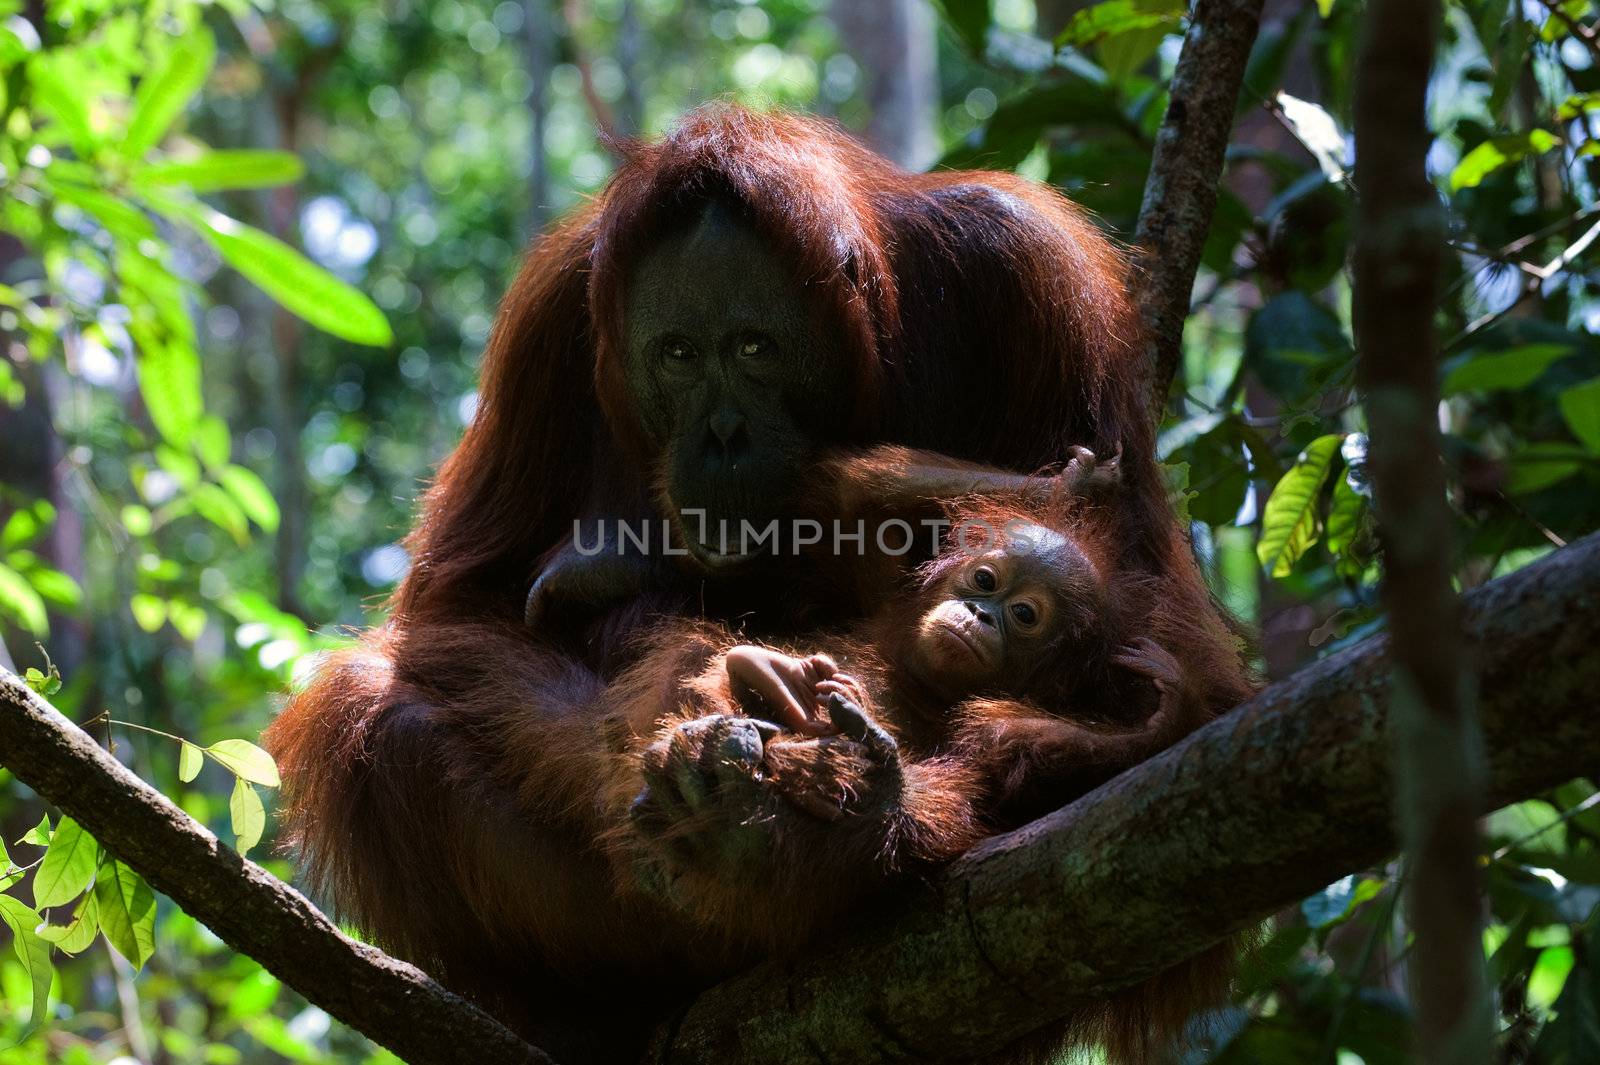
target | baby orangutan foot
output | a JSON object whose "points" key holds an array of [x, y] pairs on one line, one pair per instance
{"points": [[1146, 657]]}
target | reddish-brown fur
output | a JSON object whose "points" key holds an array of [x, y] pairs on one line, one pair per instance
{"points": [[459, 784]]}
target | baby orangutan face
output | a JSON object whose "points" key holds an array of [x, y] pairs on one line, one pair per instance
{"points": [[994, 617]]}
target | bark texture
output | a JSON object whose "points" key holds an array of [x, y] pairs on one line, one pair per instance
{"points": [[1438, 751], [1180, 194]]}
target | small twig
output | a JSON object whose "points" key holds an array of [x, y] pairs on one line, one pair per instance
{"points": [[1586, 34]]}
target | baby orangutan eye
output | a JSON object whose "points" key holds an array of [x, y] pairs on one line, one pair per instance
{"points": [[755, 345], [677, 348], [1025, 614], [983, 577]]}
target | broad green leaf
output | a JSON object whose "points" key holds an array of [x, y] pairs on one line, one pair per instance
{"points": [[218, 507], [188, 619], [1580, 406], [39, 834], [149, 611], [60, 102], [1289, 521], [75, 936], [1490, 371], [1498, 152], [1112, 17], [121, 219], [969, 19], [1583, 103], [127, 909], [189, 761], [249, 817], [1344, 516], [22, 603], [212, 441], [229, 169], [164, 93], [169, 381], [68, 866], [25, 524], [55, 586], [252, 495], [294, 281], [33, 952], [1539, 465], [245, 759]]}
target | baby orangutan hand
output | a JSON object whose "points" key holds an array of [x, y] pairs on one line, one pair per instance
{"points": [[782, 688]]}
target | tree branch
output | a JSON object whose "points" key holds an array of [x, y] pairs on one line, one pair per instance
{"points": [[1180, 194], [1438, 751], [252, 911], [1247, 816]]}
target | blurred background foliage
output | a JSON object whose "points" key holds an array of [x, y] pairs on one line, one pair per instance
{"points": [[249, 257]]}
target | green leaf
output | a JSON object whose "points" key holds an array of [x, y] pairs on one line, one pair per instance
{"points": [[1539, 465], [26, 524], [18, 598], [229, 169], [217, 507], [249, 817], [127, 911], [1498, 152], [55, 586], [68, 866], [1344, 516], [60, 102], [75, 937], [33, 952], [39, 834], [122, 220], [252, 494], [188, 619], [245, 759], [1289, 521], [1491, 371], [212, 441], [1583, 103], [1112, 17], [294, 281], [970, 21], [1580, 406], [163, 94], [169, 381], [149, 611], [189, 761]]}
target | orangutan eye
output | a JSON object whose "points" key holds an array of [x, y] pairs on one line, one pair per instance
{"points": [[983, 577], [1024, 613], [678, 348], [754, 345]]}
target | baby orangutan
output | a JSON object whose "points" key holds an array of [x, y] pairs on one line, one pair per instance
{"points": [[1019, 646]]}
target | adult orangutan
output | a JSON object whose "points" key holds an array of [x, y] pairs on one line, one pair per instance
{"points": [[749, 291]]}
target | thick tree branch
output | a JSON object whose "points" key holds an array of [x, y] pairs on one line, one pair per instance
{"points": [[1438, 751], [1180, 194], [1248, 815], [251, 910]]}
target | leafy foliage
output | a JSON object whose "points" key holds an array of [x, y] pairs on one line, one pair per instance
{"points": [[249, 256]]}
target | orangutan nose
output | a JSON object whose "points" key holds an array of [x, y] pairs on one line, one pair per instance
{"points": [[729, 428], [979, 612]]}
